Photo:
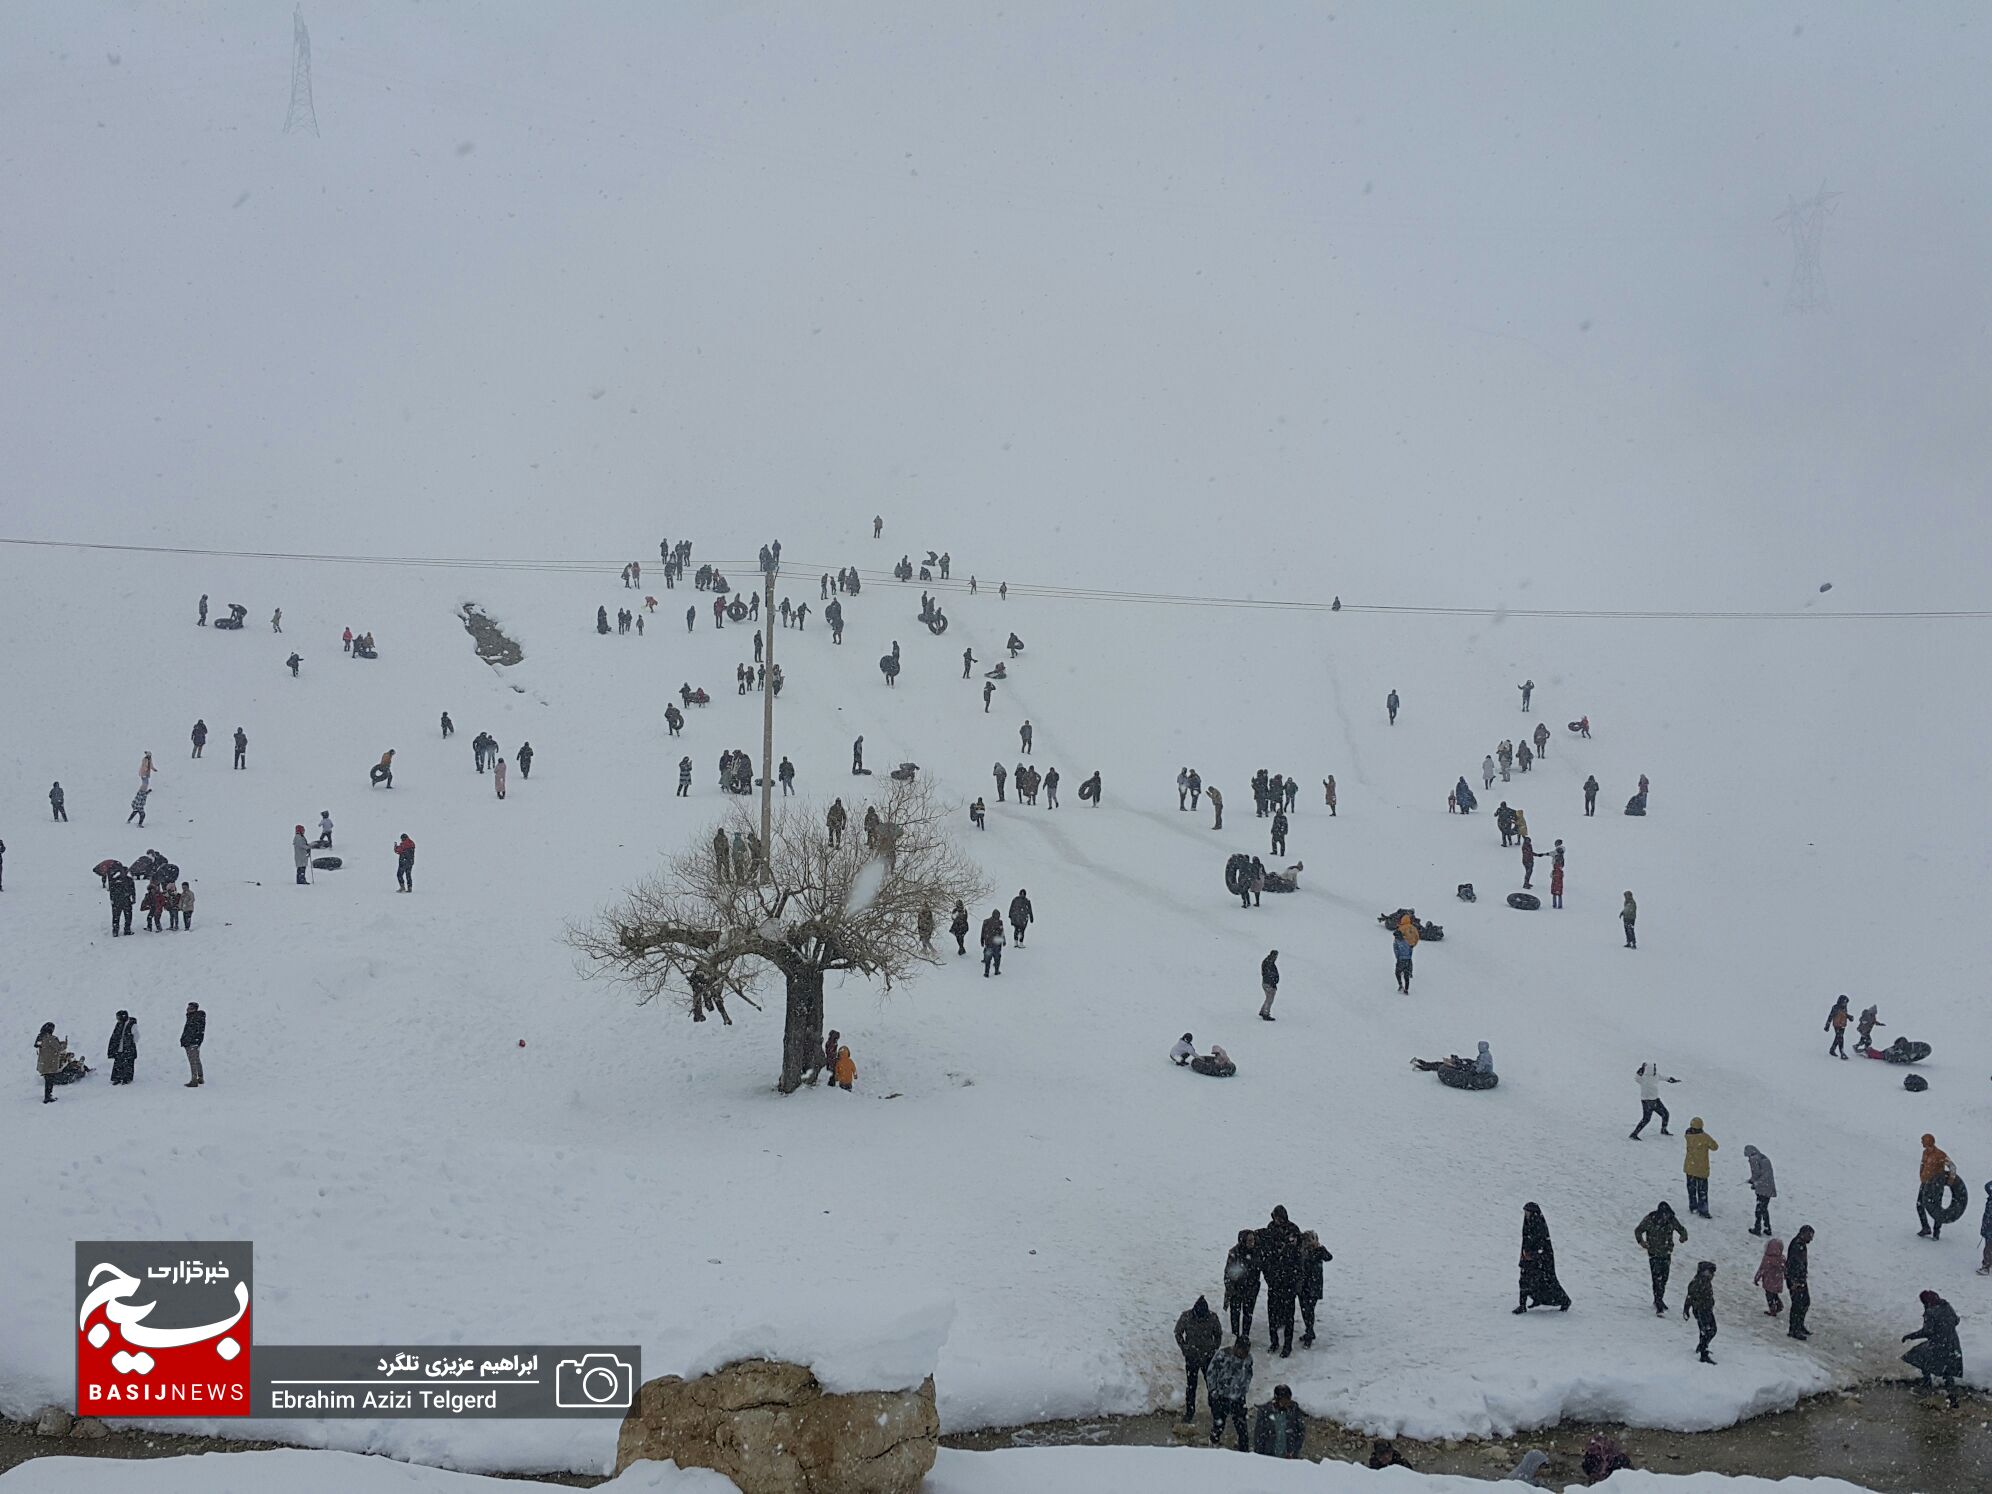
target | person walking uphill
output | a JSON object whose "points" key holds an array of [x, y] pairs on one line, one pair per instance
{"points": [[1229, 1378], [1199, 1334], [300, 853], [1657, 1234], [193, 1033], [1022, 916], [1836, 1023], [1279, 847], [1591, 795], [1539, 1286], [55, 801], [241, 748], [199, 736], [1629, 916], [992, 944], [1763, 1183], [1700, 1300], [498, 776], [404, 864], [1696, 1145], [1279, 1264], [1269, 982]]}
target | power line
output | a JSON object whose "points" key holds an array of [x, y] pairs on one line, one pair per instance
{"points": [[1053, 590]]}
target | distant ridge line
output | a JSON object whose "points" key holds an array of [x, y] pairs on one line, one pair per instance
{"points": [[1055, 591]]}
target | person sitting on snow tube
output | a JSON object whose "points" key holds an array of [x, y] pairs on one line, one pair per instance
{"points": [[1461, 1073], [1000, 672], [1285, 881], [1901, 1051], [1636, 805], [1216, 1064]]}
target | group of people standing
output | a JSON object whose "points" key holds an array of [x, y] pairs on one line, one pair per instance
{"points": [[56, 1064]]}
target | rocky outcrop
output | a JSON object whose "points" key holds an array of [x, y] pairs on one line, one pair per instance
{"points": [[772, 1429]]}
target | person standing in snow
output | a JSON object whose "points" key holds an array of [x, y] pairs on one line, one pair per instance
{"points": [[1650, 1078], [1539, 1286], [1279, 1264], [988, 693], [1025, 734], [1771, 1276], [1279, 832], [324, 842], [300, 853], [449, 726], [1195, 785], [1939, 1354], [1402, 950], [1390, 704], [404, 864], [1629, 916], [124, 892], [1657, 1234], [1269, 982], [193, 1033], [1763, 1183], [199, 736], [498, 776], [1542, 740], [1591, 795], [1527, 687], [1241, 1283], [1199, 1334], [277, 621], [241, 748], [1696, 1144], [1292, 794], [685, 782], [1216, 799], [1556, 881], [1700, 1300], [1090, 789], [1487, 773], [785, 776], [1528, 862], [1985, 1234], [187, 906], [525, 760], [138, 807], [1328, 793], [1836, 1023], [1183, 788], [1313, 1256], [202, 620], [858, 756], [1797, 1271], [958, 926], [1523, 758], [49, 1055], [1002, 777], [834, 820], [123, 1051], [1230, 1381]]}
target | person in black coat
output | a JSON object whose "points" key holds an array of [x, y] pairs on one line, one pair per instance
{"points": [[123, 1052], [1280, 1264], [124, 892], [192, 1034], [1313, 1256], [1199, 1334], [1939, 1354], [1798, 1274], [1021, 917], [1241, 1283], [1539, 1286]]}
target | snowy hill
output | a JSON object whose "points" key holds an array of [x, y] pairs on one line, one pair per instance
{"points": [[1069, 369]]}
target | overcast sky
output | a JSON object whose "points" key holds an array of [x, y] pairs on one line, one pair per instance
{"points": [[1405, 302]]}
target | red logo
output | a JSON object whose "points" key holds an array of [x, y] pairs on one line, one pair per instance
{"points": [[162, 1328]]}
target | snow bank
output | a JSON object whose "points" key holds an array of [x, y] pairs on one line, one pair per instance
{"points": [[1050, 1470], [849, 1343]]}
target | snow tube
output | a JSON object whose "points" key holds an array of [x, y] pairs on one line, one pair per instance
{"points": [[1204, 1064], [1466, 1079], [228, 624], [1431, 933], [328, 863], [1576, 726], [1960, 1200], [1087, 791], [1528, 902], [1465, 893], [937, 624], [1237, 874], [1901, 1051], [1915, 1083], [1636, 805], [737, 610]]}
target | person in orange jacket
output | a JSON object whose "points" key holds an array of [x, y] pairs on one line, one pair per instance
{"points": [[1836, 1023], [1930, 1180], [845, 1071]]}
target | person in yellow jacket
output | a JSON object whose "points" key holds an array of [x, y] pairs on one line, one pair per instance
{"points": [[845, 1070], [1695, 1164], [1407, 928]]}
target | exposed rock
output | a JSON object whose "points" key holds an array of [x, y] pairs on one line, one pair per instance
{"points": [[89, 1429], [53, 1422], [772, 1429]]}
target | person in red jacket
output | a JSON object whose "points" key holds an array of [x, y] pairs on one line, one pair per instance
{"points": [[346, 641], [404, 864], [1556, 884]]}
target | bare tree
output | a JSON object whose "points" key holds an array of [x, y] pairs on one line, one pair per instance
{"points": [[705, 925]]}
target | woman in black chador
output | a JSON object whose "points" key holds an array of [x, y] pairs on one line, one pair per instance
{"points": [[1540, 1288]]}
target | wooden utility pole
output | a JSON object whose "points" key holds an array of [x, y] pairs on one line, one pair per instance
{"points": [[768, 714]]}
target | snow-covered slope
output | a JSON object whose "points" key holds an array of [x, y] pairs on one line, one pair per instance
{"points": [[506, 307]]}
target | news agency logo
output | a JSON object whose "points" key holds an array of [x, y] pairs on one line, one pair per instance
{"points": [[162, 1327]]}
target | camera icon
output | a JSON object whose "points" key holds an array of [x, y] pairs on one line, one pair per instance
{"points": [[594, 1382]]}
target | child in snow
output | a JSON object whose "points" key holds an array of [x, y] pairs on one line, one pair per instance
{"points": [[1771, 1277], [845, 1071]]}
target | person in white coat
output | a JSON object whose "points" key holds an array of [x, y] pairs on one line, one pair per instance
{"points": [[1183, 1052], [1487, 772], [1763, 1183], [324, 829], [1650, 1078]]}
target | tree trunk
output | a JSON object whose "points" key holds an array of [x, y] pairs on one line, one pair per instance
{"points": [[802, 1032]]}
